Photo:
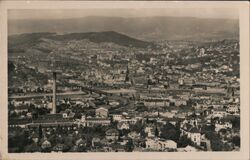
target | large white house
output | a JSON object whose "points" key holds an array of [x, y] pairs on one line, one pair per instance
{"points": [[160, 145], [101, 112]]}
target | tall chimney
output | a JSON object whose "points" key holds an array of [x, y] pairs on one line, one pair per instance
{"points": [[54, 94]]}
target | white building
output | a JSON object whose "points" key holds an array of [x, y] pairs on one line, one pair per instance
{"points": [[160, 145], [219, 113], [94, 121], [117, 117], [222, 125], [101, 112], [122, 125], [233, 109]]}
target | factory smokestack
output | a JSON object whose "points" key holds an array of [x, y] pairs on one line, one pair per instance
{"points": [[54, 94]]}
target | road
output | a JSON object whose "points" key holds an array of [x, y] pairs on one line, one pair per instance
{"points": [[116, 91]]}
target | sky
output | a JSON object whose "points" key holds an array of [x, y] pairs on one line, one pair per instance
{"points": [[225, 13]]}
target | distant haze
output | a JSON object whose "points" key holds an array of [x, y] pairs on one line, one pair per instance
{"points": [[146, 24], [224, 13]]}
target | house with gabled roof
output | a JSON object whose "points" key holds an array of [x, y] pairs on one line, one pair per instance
{"points": [[192, 132], [101, 112], [46, 144]]}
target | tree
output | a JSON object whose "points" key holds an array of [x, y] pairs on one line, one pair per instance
{"points": [[129, 146], [216, 143], [40, 132], [138, 126], [59, 139], [156, 132], [32, 148], [141, 108], [52, 139], [143, 133], [19, 140], [111, 119], [78, 115], [169, 131], [184, 141], [207, 128], [59, 129], [223, 131], [236, 122], [236, 141], [114, 123]]}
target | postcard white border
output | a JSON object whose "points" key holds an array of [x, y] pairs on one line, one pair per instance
{"points": [[243, 7]]}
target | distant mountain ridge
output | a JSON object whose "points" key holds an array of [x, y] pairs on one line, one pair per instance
{"points": [[22, 42], [144, 28], [106, 36]]}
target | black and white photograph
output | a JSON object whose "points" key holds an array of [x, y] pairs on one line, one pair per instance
{"points": [[124, 80]]}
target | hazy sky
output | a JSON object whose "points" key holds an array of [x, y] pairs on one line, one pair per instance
{"points": [[68, 13]]}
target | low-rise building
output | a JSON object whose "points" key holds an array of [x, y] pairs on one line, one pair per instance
{"points": [[91, 121], [160, 145], [112, 134], [233, 109], [223, 125], [46, 144], [122, 125], [117, 117], [101, 112]]}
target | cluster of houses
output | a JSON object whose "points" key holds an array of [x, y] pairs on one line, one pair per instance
{"points": [[190, 126], [161, 88]]}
